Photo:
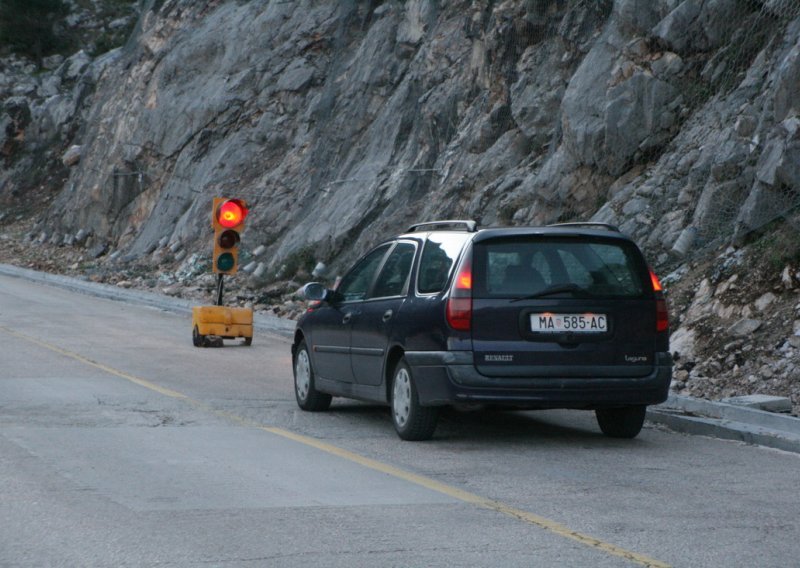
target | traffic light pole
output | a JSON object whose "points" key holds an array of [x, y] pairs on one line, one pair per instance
{"points": [[219, 289]]}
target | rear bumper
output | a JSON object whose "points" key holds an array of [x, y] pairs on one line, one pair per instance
{"points": [[448, 377]]}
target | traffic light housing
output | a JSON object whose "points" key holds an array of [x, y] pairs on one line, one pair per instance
{"points": [[228, 219]]}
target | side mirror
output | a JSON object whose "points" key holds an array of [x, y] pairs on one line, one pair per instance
{"points": [[315, 292]]}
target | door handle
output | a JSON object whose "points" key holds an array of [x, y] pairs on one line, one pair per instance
{"points": [[387, 315], [347, 317]]}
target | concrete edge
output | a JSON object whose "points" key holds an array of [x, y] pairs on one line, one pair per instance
{"points": [[728, 422], [267, 323], [725, 430], [733, 412]]}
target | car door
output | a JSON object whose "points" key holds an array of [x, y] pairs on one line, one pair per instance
{"points": [[372, 325], [332, 322]]}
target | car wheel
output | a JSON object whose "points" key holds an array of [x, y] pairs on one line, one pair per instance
{"points": [[308, 397], [197, 339], [621, 422], [412, 421]]}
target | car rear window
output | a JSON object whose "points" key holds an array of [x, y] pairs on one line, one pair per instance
{"points": [[527, 266]]}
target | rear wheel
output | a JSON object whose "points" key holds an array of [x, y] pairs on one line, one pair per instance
{"points": [[197, 339], [411, 421], [308, 397], [623, 422]]}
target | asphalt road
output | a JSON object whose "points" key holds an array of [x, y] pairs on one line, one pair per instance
{"points": [[121, 444]]}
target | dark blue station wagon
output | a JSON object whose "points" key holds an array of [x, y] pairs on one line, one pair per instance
{"points": [[563, 316]]}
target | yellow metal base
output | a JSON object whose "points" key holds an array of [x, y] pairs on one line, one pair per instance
{"points": [[220, 321]]}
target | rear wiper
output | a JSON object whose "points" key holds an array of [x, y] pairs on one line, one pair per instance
{"points": [[557, 289]]}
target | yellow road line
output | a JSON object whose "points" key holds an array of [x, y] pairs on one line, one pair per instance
{"points": [[471, 498], [427, 482], [141, 382]]}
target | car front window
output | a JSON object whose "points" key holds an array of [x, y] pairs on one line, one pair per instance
{"points": [[356, 283], [394, 274]]}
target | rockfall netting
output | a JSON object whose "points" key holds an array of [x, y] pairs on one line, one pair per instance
{"points": [[722, 151]]}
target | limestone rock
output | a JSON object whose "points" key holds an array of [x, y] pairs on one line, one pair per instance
{"points": [[745, 327], [786, 278], [764, 301], [682, 343]]}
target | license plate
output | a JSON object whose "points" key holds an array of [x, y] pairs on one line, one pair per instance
{"points": [[572, 323]]}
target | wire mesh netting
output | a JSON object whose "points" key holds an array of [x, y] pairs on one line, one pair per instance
{"points": [[722, 87]]}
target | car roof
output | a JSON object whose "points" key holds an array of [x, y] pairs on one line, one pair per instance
{"points": [[493, 233], [588, 229]]}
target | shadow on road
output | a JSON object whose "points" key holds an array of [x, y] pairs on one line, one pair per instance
{"points": [[490, 425]]}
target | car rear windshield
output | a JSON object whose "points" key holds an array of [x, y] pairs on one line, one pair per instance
{"points": [[534, 266]]}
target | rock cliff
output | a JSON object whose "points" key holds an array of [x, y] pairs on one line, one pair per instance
{"points": [[342, 122]]}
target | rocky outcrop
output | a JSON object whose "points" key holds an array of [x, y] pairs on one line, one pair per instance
{"points": [[344, 121]]}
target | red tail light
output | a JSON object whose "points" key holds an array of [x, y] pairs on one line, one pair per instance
{"points": [[662, 313], [459, 304], [459, 313]]}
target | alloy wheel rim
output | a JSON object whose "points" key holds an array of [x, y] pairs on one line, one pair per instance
{"points": [[302, 375], [401, 398]]}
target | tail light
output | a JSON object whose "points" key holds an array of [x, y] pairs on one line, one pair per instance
{"points": [[662, 313], [459, 304], [656, 282]]}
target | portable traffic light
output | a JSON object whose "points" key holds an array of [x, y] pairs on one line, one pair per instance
{"points": [[228, 219], [212, 324]]}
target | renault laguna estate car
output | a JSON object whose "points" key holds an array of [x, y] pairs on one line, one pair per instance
{"points": [[562, 316]]}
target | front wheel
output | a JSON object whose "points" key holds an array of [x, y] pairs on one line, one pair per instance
{"points": [[308, 397], [623, 422], [411, 421]]}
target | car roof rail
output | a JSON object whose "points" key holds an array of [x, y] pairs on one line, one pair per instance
{"points": [[588, 225], [454, 224]]}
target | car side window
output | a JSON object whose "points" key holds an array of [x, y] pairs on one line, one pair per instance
{"points": [[355, 285], [438, 257], [394, 275]]}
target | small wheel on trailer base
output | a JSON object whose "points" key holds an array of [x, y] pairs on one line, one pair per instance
{"points": [[308, 397], [411, 421], [625, 422], [197, 339], [248, 341]]}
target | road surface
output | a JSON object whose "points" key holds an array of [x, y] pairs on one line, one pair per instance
{"points": [[121, 444]]}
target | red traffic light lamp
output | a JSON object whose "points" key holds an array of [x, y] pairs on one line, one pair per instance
{"points": [[230, 213], [228, 219]]}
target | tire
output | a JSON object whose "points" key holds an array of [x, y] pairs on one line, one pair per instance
{"points": [[308, 397], [197, 339], [411, 421], [248, 341], [623, 422]]}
